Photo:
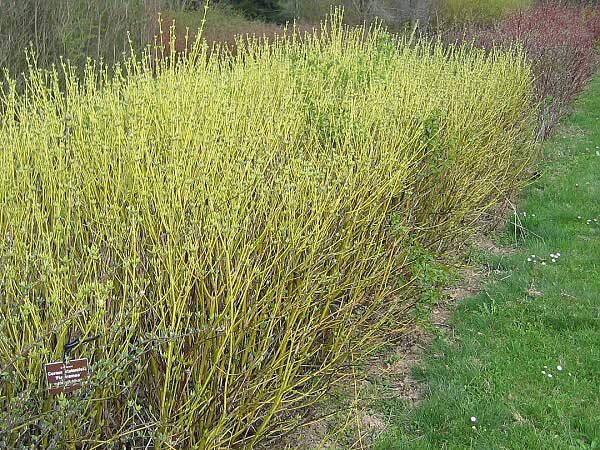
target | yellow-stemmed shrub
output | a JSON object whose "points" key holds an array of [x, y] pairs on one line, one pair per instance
{"points": [[234, 227]]}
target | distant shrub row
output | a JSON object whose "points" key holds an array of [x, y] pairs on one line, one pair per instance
{"points": [[481, 12], [55, 30]]}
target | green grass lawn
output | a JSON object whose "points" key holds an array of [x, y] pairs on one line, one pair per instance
{"points": [[499, 365]]}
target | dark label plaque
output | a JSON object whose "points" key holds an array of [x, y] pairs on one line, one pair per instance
{"points": [[65, 376]]}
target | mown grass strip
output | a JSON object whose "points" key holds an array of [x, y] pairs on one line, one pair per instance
{"points": [[501, 366]]}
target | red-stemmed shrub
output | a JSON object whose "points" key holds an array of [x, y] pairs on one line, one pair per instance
{"points": [[561, 42]]}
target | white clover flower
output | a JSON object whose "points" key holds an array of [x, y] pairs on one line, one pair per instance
{"points": [[579, 217], [529, 259], [543, 372], [558, 254], [553, 260], [543, 263], [559, 368], [550, 375], [474, 427], [473, 419]]}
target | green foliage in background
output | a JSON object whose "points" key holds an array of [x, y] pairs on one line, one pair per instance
{"points": [[258, 8], [253, 9], [486, 12]]}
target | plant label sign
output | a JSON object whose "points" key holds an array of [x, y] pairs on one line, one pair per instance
{"points": [[63, 377]]}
